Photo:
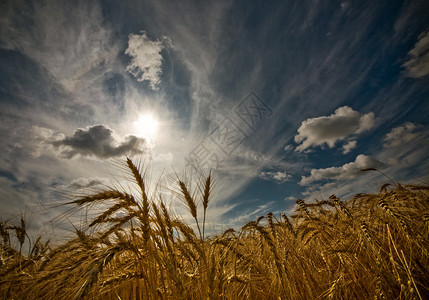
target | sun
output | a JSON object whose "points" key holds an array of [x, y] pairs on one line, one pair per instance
{"points": [[147, 126]]}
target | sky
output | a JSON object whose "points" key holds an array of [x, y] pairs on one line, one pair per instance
{"points": [[281, 100]]}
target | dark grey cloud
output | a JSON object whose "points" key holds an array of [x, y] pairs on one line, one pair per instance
{"points": [[98, 141]]}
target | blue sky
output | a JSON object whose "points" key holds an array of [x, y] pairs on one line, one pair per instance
{"points": [[281, 99]]}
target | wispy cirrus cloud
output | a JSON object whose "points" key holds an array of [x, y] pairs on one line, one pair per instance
{"points": [[328, 130], [68, 47]]}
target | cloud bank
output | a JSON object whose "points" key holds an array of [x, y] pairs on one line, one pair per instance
{"points": [[348, 171]]}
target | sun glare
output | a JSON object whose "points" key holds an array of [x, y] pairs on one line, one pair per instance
{"points": [[146, 126]]}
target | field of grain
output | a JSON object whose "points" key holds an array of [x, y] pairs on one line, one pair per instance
{"points": [[373, 246]]}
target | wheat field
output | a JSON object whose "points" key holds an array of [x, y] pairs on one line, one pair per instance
{"points": [[373, 246]]}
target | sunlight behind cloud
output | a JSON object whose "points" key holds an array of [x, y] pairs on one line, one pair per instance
{"points": [[147, 126]]}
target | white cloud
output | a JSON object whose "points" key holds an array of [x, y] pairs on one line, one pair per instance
{"points": [[366, 122], [146, 58], [348, 171], [418, 64], [329, 129], [288, 147], [400, 135], [349, 147], [276, 176]]}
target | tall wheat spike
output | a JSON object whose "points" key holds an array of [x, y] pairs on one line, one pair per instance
{"points": [[373, 246]]}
